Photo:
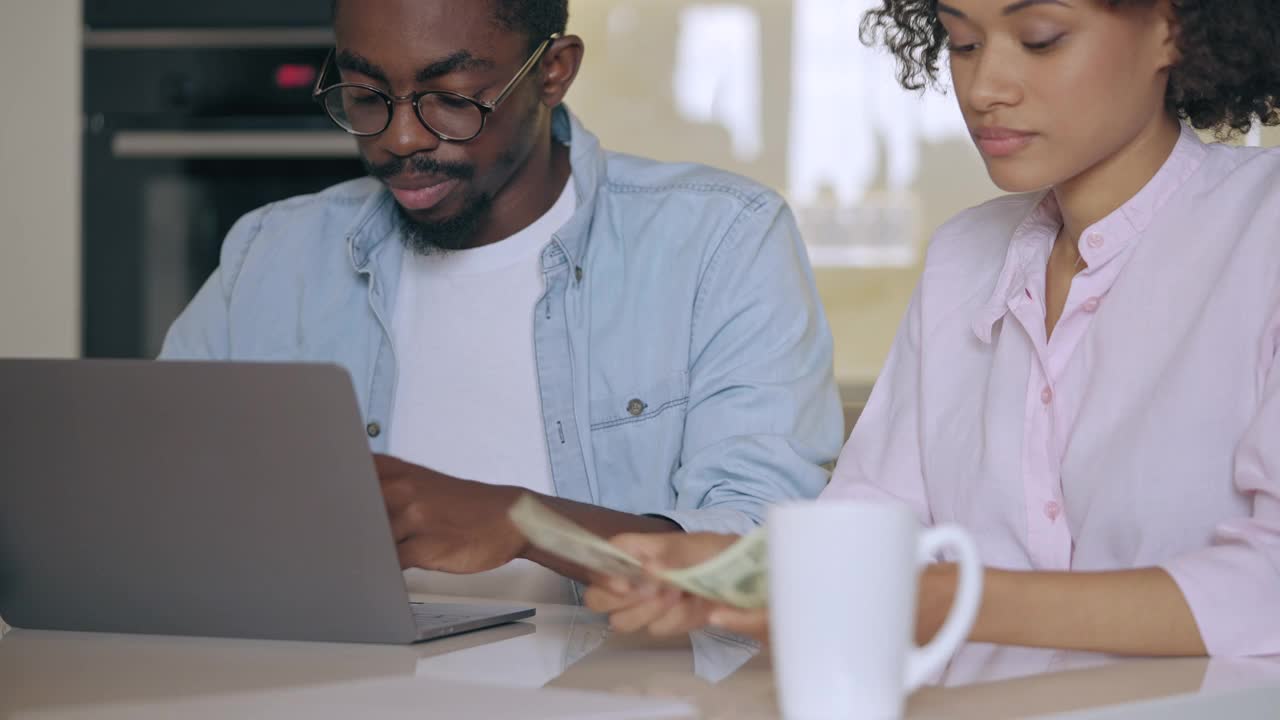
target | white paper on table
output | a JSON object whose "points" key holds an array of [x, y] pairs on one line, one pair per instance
{"points": [[390, 700], [1256, 704]]}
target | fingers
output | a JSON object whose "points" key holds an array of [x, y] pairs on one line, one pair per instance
{"points": [[411, 555], [421, 552], [610, 598], [694, 548], [645, 547], [397, 489], [664, 612], [644, 613], [404, 523], [673, 550], [752, 623], [400, 498], [690, 614], [396, 497], [388, 466]]}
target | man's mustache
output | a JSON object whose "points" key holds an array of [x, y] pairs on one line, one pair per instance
{"points": [[417, 165]]}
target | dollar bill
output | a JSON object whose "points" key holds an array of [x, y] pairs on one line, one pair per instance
{"points": [[563, 538], [737, 577]]}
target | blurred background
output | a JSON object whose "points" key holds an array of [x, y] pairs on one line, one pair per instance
{"points": [[146, 127]]}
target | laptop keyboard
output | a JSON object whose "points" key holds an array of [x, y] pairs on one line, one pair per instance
{"points": [[435, 620], [430, 615]]}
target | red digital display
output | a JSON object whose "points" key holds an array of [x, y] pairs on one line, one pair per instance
{"points": [[294, 77]]}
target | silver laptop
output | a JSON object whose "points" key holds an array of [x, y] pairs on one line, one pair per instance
{"points": [[216, 499]]}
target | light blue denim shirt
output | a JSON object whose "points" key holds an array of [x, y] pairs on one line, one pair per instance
{"points": [[684, 360]]}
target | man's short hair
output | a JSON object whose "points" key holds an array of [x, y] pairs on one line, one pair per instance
{"points": [[538, 19]]}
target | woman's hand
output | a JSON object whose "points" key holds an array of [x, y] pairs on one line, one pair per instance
{"points": [[660, 608]]}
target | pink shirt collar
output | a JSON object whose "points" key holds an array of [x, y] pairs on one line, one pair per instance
{"points": [[1121, 229]]}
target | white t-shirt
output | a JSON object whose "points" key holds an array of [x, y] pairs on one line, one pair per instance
{"points": [[467, 402]]}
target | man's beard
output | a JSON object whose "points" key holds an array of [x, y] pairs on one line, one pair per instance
{"points": [[455, 233], [427, 238]]}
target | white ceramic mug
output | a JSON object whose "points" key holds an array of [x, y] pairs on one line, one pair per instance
{"points": [[843, 579]]}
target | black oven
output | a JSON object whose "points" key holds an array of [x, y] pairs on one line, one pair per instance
{"points": [[195, 113], [167, 14]]}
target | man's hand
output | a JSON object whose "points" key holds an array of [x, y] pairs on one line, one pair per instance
{"points": [[443, 523]]}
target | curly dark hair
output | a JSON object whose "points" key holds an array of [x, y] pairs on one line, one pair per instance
{"points": [[539, 19], [1229, 73]]}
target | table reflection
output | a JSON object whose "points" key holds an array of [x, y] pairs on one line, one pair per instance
{"points": [[565, 647]]}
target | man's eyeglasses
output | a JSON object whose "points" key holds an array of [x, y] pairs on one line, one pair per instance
{"points": [[365, 111]]}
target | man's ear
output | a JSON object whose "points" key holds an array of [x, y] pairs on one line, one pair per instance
{"points": [[559, 68]]}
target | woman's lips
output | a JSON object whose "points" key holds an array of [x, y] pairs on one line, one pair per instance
{"points": [[1001, 142]]}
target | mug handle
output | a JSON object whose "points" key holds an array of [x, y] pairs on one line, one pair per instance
{"points": [[924, 661]]}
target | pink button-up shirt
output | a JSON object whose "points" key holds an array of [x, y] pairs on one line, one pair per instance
{"points": [[1144, 432]]}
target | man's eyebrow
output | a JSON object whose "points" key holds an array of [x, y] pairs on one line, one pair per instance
{"points": [[348, 60], [459, 61]]}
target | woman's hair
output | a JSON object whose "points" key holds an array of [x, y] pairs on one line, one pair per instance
{"points": [[1228, 74]]}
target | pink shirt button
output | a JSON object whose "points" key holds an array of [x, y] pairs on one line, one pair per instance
{"points": [[1096, 241], [1046, 396], [1052, 510], [1091, 305]]}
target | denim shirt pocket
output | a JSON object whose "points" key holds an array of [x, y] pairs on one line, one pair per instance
{"points": [[639, 434], [641, 405]]}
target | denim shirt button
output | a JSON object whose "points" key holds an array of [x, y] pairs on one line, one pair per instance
{"points": [[636, 408], [374, 429]]}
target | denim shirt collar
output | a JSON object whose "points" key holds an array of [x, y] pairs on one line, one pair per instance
{"points": [[377, 221]]}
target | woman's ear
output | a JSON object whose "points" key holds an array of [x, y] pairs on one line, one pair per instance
{"points": [[1167, 34]]}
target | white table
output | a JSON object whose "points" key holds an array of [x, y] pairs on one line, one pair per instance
{"points": [[525, 669]]}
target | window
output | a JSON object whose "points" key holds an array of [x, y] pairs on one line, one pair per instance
{"points": [[783, 92]]}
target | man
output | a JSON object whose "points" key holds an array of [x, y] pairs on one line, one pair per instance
{"points": [[641, 344]]}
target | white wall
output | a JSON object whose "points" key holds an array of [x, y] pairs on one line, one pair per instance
{"points": [[40, 122]]}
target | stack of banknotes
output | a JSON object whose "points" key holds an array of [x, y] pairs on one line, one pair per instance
{"points": [[737, 577]]}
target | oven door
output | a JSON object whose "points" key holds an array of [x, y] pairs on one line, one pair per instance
{"points": [[158, 204], [220, 14]]}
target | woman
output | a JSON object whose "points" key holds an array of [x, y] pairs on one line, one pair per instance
{"points": [[1087, 376]]}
